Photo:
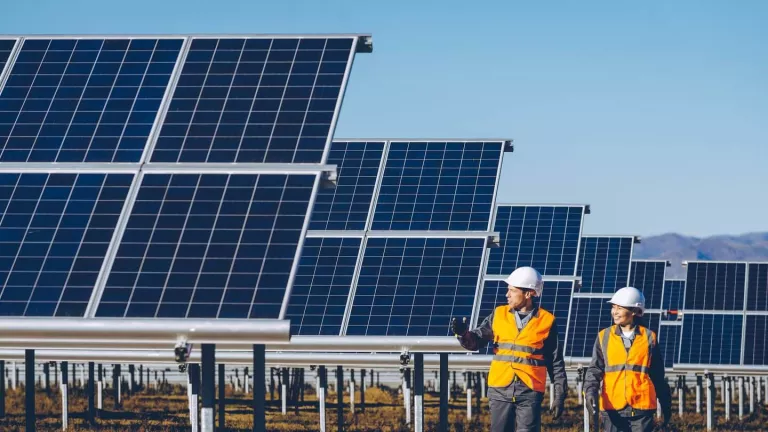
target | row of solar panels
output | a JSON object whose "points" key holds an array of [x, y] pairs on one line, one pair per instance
{"points": [[219, 100], [146, 221]]}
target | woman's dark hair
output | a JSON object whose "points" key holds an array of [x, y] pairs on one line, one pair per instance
{"points": [[641, 321]]}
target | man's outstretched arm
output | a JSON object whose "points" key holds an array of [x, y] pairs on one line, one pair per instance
{"points": [[477, 338]]}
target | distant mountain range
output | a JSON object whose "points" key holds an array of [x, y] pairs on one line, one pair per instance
{"points": [[677, 248]]}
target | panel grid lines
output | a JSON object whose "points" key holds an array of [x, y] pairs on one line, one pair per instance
{"points": [[604, 263], [711, 339], [234, 262], [438, 186], [717, 286], [348, 205], [587, 317], [674, 290], [56, 229], [543, 237], [648, 277], [322, 285], [755, 345], [286, 97], [84, 100], [669, 343], [413, 286], [757, 288]]}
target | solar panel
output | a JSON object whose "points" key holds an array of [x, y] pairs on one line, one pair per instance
{"points": [[347, 206], [54, 233], [669, 343], [650, 320], [716, 286], [674, 289], [604, 263], [208, 246], [588, 316], [321, 288], [84, 100], [711, 339], [438, 186], [556, 298], [413, 286], [543, 237], [256, 99], [755, 345], [6, 48], [648, 277], [757, 287]]}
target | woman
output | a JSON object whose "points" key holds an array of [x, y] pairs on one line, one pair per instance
{"points": [[627, 360]]}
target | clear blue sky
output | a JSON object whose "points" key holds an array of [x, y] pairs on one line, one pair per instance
{"points": [[655, 112]]}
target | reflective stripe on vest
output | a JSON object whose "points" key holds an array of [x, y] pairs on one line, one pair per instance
{"points": [[627, 380], [519, 353]]}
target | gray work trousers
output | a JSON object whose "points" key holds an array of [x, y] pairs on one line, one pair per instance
{"points": [[624, 421], [515, 408]]}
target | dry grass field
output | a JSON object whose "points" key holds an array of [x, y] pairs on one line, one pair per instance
{"points": [[150, 411]]}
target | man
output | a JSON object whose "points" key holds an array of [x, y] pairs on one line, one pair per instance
{"points": [[627, 370], [527, 347]]}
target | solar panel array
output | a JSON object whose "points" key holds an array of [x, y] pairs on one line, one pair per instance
{"points": [[421, 213], [724, 312], [129, 228]]}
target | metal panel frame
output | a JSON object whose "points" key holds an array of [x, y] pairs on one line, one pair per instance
{"points": [[5, 72], [339, 101], [165, 104], [191, 35]]}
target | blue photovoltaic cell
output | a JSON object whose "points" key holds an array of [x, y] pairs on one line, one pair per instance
{"points": [[711, 339], [414, 286], [588, 316], [84, 100], [556, 299], [650, 320], [54, 234], [208, 246], [757, 287], [674, 289], [648, 277], [6, 47], [255, 100], [604, 263], [715, 286], [438, 186], [669, 343], [755, 346], [543, 237], [321, 287], [346, 206]]}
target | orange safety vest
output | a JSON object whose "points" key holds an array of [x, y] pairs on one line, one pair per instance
{"points": [[519, 353], [627, 380]]}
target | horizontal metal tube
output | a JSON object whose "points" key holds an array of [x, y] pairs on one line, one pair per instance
{"points": [[373, 344], [118, 334]]}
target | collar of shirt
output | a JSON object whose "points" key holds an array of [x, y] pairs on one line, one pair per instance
{"points": [[521, 321]]}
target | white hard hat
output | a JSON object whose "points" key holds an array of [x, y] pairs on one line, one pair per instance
{"points": [[526, 278], [629, 297]]}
